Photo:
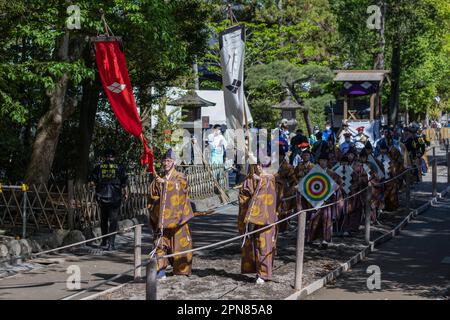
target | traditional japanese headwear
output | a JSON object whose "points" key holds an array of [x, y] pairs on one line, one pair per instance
{"points": [[306, 151], [347, 134], [324, 156], [170, 154], [360, 129], [383, 145], [363, 153]]}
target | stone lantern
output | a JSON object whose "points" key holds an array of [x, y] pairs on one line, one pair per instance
{"points": [[191, 108], [288, 109]]}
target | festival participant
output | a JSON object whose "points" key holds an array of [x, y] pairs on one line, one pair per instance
{"points": [[391, 186], [304, 166], [300, 172], [355, 204], [287, 182], [320, 146], [334, 153], [320, 224], [361, 138], [412, 146], [423, 143], [347, 143], [257, 209], [170, 211], [298, 142], [345, 130], [374, 168]]}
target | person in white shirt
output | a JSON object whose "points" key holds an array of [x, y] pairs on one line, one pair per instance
{"points": [[217, 145]]}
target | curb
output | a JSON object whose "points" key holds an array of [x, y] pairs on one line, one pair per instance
{"points": [[319, 284]]}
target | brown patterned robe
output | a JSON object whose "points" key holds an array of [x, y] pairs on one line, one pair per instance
{"points": [[300, 171], [320, 222], [392, 188], [257, 208], [355, 204], [287, 182], [170, 212]]}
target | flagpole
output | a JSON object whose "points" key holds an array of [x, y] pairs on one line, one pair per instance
{"points": [[233, 20]]}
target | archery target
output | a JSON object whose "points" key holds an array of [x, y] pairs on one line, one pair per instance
{"points": [[317, 186]]}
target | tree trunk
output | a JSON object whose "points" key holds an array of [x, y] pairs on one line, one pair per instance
{"points": [[305, 111], [395, 81], [307, 121], [88, 110], [379, 63], [48, 131], [379, 58], [49, 127]]}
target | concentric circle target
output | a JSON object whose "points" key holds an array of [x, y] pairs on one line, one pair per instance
{"points": [[317, 186]]}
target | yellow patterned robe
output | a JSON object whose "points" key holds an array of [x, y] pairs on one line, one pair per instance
{"points": [[170, 212], [257, 208]]}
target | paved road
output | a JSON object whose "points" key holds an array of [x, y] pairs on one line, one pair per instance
{"points": [[50, 282], [414, 265]]}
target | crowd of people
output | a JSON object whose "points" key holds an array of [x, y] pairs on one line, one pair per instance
{"points": [[352, 161]]}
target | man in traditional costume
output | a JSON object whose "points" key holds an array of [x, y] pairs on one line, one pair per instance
{"points": [[334, 153], [374, 169], [345, 129], [391, 186], [320, 222], [300, 172], [257, 209], [170, 211], [355, 204], [347, 143], [361, 138], [287, 182]]}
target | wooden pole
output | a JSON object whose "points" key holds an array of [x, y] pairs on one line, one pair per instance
{"points": [[24, 213], [367, 211], [345, 107], [71, 220], [434, 173], [300, 250], [372, 106], [150, 287], [137, 252], [448, 162]]}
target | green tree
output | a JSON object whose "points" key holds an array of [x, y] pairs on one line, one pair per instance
{"points": [[308, 84], [48, 71]]}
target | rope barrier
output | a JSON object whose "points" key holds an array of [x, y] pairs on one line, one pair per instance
{"points": [[278, 222], [214, 245], [33, 255]]}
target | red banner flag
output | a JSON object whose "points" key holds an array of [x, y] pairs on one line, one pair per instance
{"points": [[116, 82]]}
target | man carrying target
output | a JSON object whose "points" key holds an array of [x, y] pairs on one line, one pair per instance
{"points": [[320, 187]]}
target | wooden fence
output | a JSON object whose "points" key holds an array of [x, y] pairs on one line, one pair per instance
{"points": [[75, 207]]}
